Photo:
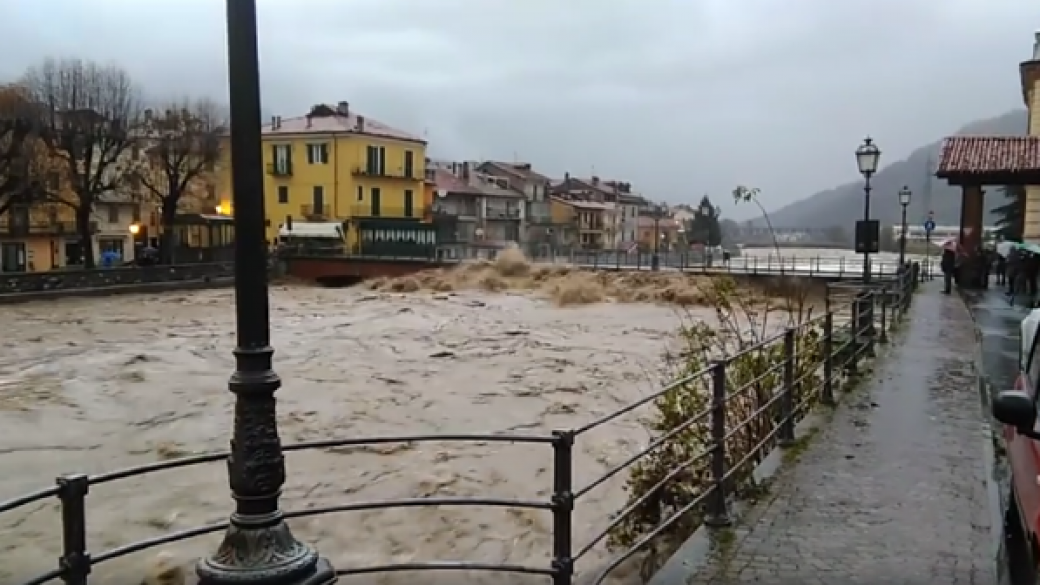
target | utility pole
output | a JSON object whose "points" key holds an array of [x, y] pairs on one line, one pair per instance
{"points": [[926, 192]]}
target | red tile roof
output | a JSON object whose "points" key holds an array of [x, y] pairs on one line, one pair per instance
{"points": [[967, 156], [336, 123]]}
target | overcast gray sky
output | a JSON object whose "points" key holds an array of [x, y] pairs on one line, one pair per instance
{"points": [[680, 97]]}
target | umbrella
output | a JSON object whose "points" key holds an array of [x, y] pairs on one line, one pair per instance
{"points": [[1004, 248]]}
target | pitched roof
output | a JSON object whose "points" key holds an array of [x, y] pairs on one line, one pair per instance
{"points": [[987, 157], [581, 204], [521, 170], [445, 180], [337, 123]]}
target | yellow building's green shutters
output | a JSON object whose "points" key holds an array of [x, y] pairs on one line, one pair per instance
{"points": [[408, 202], [409, 164], [375, 202]]}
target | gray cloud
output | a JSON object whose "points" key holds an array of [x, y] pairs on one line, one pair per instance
{"points": [[679, 97]]}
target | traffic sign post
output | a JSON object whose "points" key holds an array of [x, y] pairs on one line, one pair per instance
{"points": [[929, 227]]}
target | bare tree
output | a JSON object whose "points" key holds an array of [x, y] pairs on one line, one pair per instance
{"points": [[182, 146], [91, 113], [20, 149]]}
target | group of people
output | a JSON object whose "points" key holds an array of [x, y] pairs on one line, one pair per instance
{"points": [[1018, 271]]}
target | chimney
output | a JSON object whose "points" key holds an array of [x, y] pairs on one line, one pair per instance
{"points": [[566, 177], [274, 122], [308, 121], [1036, 46], [148, 115], [595, 181], [343, 108], [465, 171], [361, 124]]}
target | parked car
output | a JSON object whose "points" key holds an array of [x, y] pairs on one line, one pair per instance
{"points": [[1017, 409]]}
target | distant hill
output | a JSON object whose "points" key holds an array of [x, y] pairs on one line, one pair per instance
{"points": [[843, 205]]}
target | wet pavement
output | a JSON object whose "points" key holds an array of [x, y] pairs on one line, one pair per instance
{"points": [[895, 486]]}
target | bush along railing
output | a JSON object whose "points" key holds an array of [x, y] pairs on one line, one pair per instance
{"points": [[734, 400]]}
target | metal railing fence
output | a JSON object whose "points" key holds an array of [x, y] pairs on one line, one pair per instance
{"points": [[806, 363]]}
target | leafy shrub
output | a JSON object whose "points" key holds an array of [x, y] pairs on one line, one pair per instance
{"points": [[754, 375]]}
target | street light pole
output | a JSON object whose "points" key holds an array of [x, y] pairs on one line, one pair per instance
{"points": [[258, 547], [655, 260], [904, 201], [867, 157]]}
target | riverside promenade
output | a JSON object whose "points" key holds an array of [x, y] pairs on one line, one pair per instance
{"points": [[893, 488]]}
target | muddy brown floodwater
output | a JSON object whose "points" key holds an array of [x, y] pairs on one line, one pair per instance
{"points": [[90, 385]]}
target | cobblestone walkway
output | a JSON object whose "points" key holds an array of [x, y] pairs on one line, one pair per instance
{"points": [[893, 488]]}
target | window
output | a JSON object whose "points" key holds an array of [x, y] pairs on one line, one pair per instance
{"points": [[375, 160], [113, 214], [135, 212], [281, 155], [374, 203], [409, 164], [318, 154], [360, 193], [283, 193], [408, 203]]}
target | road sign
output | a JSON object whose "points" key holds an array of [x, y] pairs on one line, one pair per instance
{"points": [[929, 225]]}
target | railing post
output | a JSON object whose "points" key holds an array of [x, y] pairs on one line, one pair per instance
{"points": [[785, 437], [75, 560], [563, 507], [856, 330], [827, 396], [718, 508], [884, 321]]}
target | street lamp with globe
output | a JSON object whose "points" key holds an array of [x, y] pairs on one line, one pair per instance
{"points": [[904, 201], [867, 157]]}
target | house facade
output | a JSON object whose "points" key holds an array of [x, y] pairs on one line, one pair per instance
{"points": [[334, 164]]}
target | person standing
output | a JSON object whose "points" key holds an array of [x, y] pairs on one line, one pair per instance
{"points": [[948, 265]]}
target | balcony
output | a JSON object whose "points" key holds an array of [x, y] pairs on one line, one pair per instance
{"points": [[390, 212], [399, 173], [15, 226], [508, 213], [316, 212], [279, 169]]}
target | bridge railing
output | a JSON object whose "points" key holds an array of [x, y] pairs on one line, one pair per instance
{"points": [[744, 419], [822, 266]]}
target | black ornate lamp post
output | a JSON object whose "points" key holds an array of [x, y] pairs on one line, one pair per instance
{"points": [[705, 216], [258, 548], [904, 201], [867, 157]]}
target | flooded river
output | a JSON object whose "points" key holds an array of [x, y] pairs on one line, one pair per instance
{"points": [[88, 385]]}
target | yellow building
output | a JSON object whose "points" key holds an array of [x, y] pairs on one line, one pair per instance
{"points": [[1030, 74], [336, 165]]}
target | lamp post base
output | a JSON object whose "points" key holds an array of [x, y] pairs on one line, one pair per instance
{"points": [[655, 262], [263, 551]]}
